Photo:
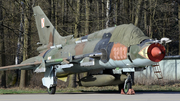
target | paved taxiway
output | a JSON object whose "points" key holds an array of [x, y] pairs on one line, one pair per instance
{"points": [[140, 96]]}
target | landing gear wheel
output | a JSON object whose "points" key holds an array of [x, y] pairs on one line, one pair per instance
{"points": [[52, 90], [127, 86]]}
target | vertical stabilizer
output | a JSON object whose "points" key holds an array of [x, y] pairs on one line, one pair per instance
{"points": [[48, 35]]}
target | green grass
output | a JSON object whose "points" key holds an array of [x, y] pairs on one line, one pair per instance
{"points": [[21, 91], [165, 88], [107, 89]]}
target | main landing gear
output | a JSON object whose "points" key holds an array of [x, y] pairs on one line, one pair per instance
{"points": [[126, 88], [49, 80], [52, 90]]}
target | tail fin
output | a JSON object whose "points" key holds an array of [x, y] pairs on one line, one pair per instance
{"points": [[48, 35]]}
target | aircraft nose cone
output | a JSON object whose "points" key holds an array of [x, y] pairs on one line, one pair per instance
{"points": [[156, 52]]}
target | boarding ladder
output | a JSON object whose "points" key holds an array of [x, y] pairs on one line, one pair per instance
{"points": [[157, 71]]}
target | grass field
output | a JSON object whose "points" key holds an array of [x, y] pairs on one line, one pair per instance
{"points": [[107, 89]]}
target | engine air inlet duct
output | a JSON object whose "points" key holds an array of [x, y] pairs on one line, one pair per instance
{"points": [[156, 52]]}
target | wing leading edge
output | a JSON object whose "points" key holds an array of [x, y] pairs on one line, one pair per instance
{"points": [[36, 63], [21, 66]]}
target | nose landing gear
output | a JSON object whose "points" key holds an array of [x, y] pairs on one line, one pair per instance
{"points": [[126, 88]]}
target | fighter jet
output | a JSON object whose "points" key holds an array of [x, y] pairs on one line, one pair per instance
{"points": [[111, 55]]}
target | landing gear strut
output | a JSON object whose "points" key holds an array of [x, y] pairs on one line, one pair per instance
{"points": [[126, 88], [49, 80], [52, 89]]}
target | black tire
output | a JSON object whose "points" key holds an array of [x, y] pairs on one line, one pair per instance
{"points": [[127, 87], [52, 90]]}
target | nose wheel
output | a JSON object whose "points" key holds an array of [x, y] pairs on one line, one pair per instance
{"points": [[127, 88]]}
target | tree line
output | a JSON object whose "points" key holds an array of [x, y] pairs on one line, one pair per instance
{"points": [[18, 33]]}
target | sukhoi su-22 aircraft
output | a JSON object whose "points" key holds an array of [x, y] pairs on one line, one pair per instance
{"points": [[110, 56]]}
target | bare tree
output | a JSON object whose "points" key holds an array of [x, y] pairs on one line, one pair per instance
{"points": [[145, 14], [24, 79], [137, 16], [77, 19], [102, 13], [87, 17], [20, 45], [2, 47], [107, 13], [126, 10], [179, 23]]}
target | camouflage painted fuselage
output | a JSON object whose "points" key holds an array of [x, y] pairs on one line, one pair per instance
{"points": [[108, 55], [123, 47], [116, 54]]}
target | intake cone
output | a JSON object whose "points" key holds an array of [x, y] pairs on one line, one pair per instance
{"points": [[156, 52]]}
